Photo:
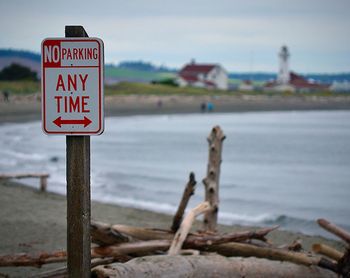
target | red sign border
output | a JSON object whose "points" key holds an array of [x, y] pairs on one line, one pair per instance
{"points": [[100, 129]]}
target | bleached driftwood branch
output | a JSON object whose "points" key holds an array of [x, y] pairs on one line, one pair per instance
{"points": [[185, 227]]}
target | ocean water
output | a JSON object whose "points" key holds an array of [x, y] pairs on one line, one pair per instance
{"points": [[286, 168]]}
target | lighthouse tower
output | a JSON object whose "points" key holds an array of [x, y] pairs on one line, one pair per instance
{"points": [[283, 74]]}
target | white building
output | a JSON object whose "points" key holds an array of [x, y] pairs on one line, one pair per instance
{"points": [[338, 86], [290, 81], [283, 77], [210, 76], [246, 85]]}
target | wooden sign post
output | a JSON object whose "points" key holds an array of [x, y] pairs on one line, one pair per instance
{"points": [[78, 195], [72, 105]]}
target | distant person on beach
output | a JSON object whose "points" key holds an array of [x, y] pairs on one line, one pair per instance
{"points": [[210, 106], [203, 106], [6, 95], [159, 104]]}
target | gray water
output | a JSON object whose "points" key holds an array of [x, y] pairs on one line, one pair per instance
{"points": [[286, 168]]}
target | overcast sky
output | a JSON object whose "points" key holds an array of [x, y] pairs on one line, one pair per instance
{"points": [[242, 35]]}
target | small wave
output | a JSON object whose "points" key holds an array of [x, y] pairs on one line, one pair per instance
{"points": [[138, 204], [28, 156], [285, 220], [232, 218], [269, 219]]}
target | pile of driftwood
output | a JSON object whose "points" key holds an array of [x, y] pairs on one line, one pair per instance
{"points": [[126, 251]]}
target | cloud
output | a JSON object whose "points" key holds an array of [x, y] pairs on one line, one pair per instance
{"points": [[167, 31]]}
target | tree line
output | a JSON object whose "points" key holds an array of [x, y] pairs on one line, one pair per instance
{"points": [[17, 72]]}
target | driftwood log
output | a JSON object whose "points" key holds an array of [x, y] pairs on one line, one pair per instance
{"points": [[249, 250], [188, 192], [42, 176], [63, 271], [343, 266], [103, 234], [332, 228], [328, 251], [208, 240], [36, 260], [140, 248], [207, 266], [195, 242], [192, 240], [143, 233], [211, 181]]}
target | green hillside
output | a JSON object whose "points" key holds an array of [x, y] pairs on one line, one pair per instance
{"points": [[137, 75]]}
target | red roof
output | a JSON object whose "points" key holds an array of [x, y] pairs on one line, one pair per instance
{"points": [[299, 82], [195, 69], [191, 72], [189, 78]]}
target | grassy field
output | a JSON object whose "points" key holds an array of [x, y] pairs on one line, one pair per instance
{"points": [[127, 88], [20, 87]]}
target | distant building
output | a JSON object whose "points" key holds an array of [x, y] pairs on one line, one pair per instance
{"points": [[290, 81], [340, 87], [210, 76], [246, 85], [283, 73]]}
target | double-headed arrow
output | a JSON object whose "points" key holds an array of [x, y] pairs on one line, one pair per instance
{"points": [[59, 122]]}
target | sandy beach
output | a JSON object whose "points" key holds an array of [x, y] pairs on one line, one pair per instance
{"points": [[31, 221], [28, 108]]}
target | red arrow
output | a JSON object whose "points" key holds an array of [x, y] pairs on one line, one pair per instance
{"points": [[59, 122]]}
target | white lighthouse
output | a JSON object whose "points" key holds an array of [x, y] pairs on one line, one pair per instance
{"points": [[283, 74]]}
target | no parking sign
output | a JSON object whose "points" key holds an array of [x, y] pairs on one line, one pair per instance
{"points": [[72, 86]]}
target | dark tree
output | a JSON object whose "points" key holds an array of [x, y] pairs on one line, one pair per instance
{"points": [[166, 81], [17, 72]]}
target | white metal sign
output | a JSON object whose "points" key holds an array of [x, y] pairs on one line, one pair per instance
{"points": [[72, 86]]}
